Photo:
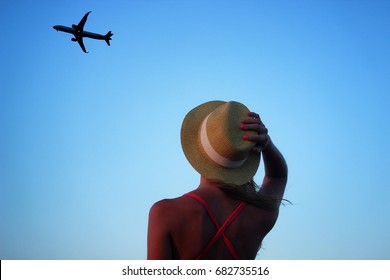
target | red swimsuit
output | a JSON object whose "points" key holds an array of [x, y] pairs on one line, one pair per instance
{"points": [[220, 229]]}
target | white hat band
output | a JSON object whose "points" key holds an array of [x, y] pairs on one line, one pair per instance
{"points": [[213, 155]]}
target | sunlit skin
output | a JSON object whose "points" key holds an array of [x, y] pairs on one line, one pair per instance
{"points": [[180, 228]]}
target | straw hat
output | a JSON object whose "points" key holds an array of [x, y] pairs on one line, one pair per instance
{"points": [[211, 139]]}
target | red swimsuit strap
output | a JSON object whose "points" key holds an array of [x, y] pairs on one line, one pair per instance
{"points": [[220, 229]]}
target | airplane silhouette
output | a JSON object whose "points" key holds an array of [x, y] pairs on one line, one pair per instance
{"points": [[78, 32]]}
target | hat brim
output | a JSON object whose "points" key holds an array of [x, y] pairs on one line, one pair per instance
{"points": [[196, 156]]}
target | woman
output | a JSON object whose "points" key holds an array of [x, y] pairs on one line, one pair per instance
{"points": [[227, 216]]}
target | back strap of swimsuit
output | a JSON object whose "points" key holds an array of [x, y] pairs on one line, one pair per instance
{"points": [[220, 229]]}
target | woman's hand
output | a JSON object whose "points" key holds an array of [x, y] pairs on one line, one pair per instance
{"points": [[275, 178], [254, 123]]}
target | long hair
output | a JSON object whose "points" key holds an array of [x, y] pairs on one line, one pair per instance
{"points": [[249, 192]]}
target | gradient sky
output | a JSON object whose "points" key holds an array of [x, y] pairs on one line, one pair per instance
{"points": [[88, 142]]}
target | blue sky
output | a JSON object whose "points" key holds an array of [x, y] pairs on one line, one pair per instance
{"points": [[88, 142]]}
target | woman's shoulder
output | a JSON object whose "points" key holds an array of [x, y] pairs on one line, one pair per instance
{"points": [[171, 204], [162, 205]]}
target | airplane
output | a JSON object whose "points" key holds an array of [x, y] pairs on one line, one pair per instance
{"points": [[78, 32]]}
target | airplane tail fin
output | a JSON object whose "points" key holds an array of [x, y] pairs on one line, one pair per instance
{"points": [[107, 37]]}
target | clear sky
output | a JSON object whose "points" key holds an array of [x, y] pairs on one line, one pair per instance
{"points": [[88, 142]]}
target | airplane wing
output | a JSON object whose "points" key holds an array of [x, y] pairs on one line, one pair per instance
{"points": [[82, 22], [81, 43]]}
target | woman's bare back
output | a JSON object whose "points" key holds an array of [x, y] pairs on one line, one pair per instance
{"points": [[190, 228]]}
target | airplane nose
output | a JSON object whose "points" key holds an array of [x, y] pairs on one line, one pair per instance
{"points": [[55, 27]]}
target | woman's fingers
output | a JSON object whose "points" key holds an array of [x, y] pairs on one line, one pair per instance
{"points": [[260, 140], [260, 129], [254, 123], [253, 115]]}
